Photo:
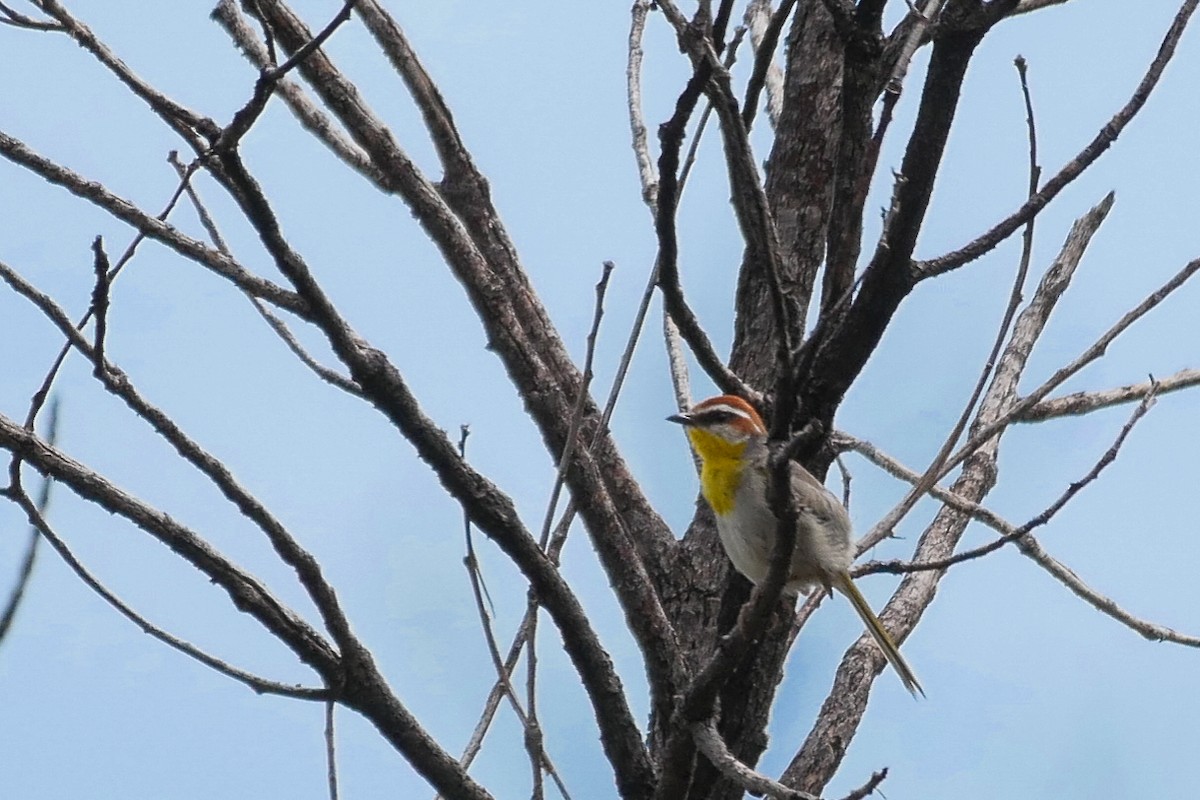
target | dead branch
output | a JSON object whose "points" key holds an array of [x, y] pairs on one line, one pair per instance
{"points": [[194, 128], [331, 751], [886, 280], [637, 116], [25, 571], [714, 749], [465, 226], [18, 20], [1075, 167], [1016, 534], [764, 36], [245, 591], [1097, 349], [1029, 327], [525, 715], [259, 684], [670, 136], [1080, 403], [1028, 544], [311, 118], [100, 298], [1026, 6], [153, 227], [245, 117], [765, 32], [1105, 605], [868, 788], [117, 383], [755, 219], [276, 324]]}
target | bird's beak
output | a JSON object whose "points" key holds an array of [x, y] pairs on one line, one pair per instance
{"points": [[682, 419]]}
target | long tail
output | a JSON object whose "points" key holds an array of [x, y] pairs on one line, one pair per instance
{"points": [[845, 585]]}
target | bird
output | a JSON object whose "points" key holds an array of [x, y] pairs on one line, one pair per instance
{"points": [[730, 438]]}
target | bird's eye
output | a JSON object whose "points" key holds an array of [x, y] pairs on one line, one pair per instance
{"points": [[718, 416]]}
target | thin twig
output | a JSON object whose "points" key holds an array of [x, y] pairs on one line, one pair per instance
{"points": [[564, 462], [558, 540], [921, 20], [868, 788], [331, 750], [43, 392], [19, 20], [1097, 349], [1028, 545], [690, 159], [677, 364], [152, 227], [540, 759], [229, 17], [245, 117], [1109, 456], [934, 471], [912, 34], [258, 684], [277, 325], [758, 19], [671, 135], [1086, 157], [317, 41], [274, 615], [25, 573], [846, 478], [194, 128], [533, 730]]}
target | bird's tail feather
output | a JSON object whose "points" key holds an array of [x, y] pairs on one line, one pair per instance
{"points": [[845, 585]]}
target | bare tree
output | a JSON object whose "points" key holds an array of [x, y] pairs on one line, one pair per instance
{"points": [[813, 301]]}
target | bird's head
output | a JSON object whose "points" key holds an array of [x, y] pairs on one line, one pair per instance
{"points": [[720, 427]]}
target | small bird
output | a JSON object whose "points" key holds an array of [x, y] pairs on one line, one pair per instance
{"points": [[731, 440]]}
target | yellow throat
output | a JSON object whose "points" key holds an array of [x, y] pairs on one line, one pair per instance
{"points": [[720, 470]]}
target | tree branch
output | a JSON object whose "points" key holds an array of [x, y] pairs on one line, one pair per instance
{"points": [[1028, 545], [714, 749], [461, 221], [766, 40], [247, 594], [637, 117], [1016, 534], [192, 127], [1075, 167], [25, 571], [311, 118], [1077, 241], [490, 509], [887, 280], [152, 227], [1080, 403], [259, 684]]}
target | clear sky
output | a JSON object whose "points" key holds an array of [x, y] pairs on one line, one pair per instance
{"points": [[1031, 693]]}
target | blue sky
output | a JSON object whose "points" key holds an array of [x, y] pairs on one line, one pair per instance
{"points": [[1031, 693]]}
